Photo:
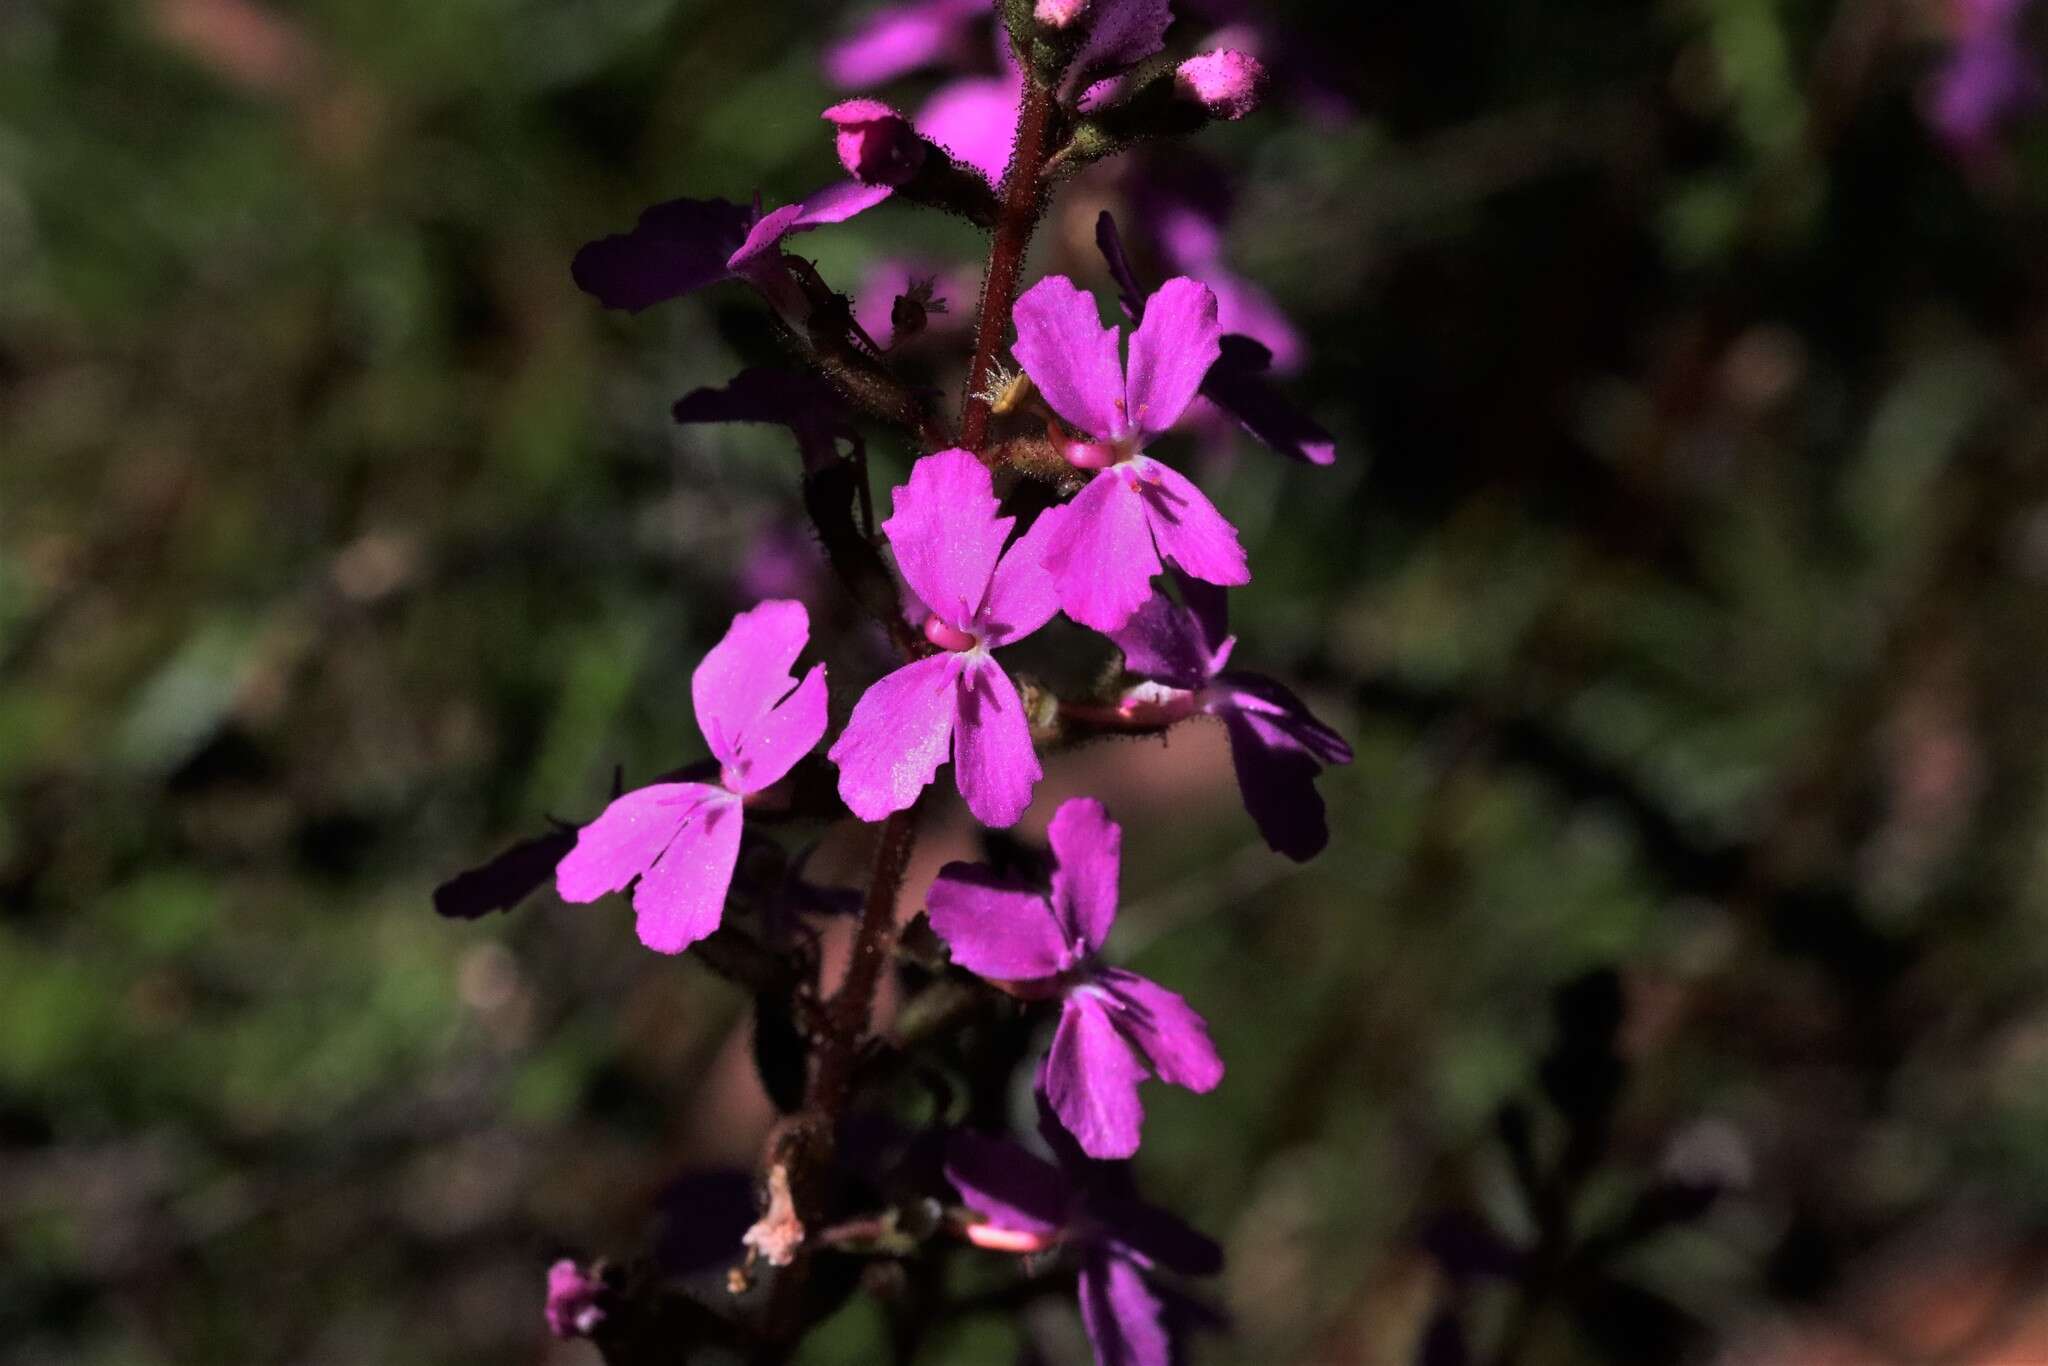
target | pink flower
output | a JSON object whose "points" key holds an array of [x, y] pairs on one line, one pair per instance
{"points": [[1058, 13], [680, 840], [1116, 1027], [687, 244], [877, 145], [572, 1307], [899, 38], [1108, 542], [949, 546], [1227, 84]]}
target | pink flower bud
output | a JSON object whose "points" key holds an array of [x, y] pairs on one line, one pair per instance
{"points": [[1059, 13], [1227, 83], [877, 145]]}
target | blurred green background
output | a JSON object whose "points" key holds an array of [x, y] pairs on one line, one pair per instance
{"points": [[1680, 583]]}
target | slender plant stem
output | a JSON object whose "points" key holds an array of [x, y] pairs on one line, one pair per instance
{"points": [[847, 1015], [1023, 192]]}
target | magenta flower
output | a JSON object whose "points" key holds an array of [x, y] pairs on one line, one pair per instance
{"points": [[572, 1307], [1227, 83], [949, 547], [1112, 1022], [876, 145], [1237, 382], [1990, 77], [1028, 1206], [975, 119], [1109, 541], [1276, 745], [686, 244], [680, 840], [900, 38]]}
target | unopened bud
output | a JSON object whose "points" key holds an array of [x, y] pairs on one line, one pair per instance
{"points": [[877, 145], [1059, 13], [1228, 84]]}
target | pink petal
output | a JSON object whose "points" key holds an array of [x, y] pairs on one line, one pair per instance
{"points": [[626, 839], [900, 38], [1166, 1030], [770, 746], [994, 930], [1100, 553], [993, 761], [1012, 1186], [1171, 351], [1088, 849], [833, 204], [747, 672], [1071, 356], [1123, 33], [1091, 1079], [1162, 642], [1021, 595], [975, 120], [897, 737], [946, 534], [675, 248], [1189, 529], [1125, 1320], [682, 897]]}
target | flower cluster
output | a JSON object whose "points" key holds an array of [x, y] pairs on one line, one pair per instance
{"points": [[1051, 498]]}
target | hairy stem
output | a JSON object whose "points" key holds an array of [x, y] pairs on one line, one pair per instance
{"points": [[1023, 192]]}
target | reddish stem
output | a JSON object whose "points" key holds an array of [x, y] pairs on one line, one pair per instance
{"points": [[1023, 191]]}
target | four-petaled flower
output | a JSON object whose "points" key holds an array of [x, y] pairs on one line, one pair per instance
{"points": [[1276, 745], [1028, 1205], [1107, 543], [977, 598], [1047, 945], [681, 839]]}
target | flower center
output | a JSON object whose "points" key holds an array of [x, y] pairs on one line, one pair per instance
{"points": [[947, 636], [1096, 455]]}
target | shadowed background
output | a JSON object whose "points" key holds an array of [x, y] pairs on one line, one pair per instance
{"points": [[1679, 583]]}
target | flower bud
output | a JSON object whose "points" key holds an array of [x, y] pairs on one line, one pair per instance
{"points": [[877, 145], [1059, 13], [1226, 83]]}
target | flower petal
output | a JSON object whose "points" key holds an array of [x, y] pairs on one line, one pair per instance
{"points": [[1087, 847], [809, 407], [1071, 356], [1091, 1078], [1014, 1187], [993, 761], [1276, 776], [946, 534], [1162, 642], [682, 897], [1171, 350], [1100, 553], [1021, 594], [1189, 529], [1166, 1030], [626, 839], [746, 672], [675, 248], [976, 121], [897, 737], [995, 929], [898, 39], [771, 746], [1125, 1320], [1238, 385], [1121, 34], [834, 204], [1257, 695]]}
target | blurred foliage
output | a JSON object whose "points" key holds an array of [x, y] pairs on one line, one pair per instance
{"points": [[1679, 582]]}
